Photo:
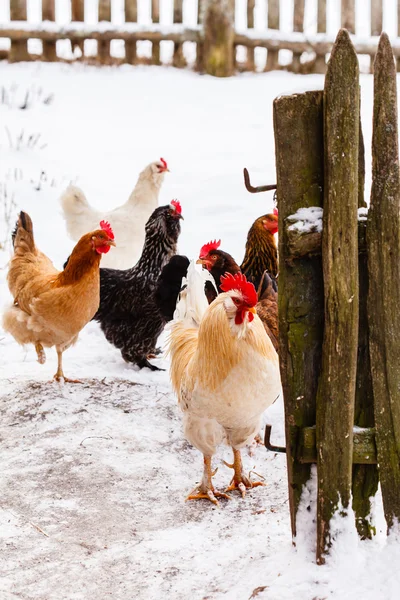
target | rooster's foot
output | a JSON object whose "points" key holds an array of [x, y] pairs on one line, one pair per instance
{"points": [[208, 494], [240, 481], [41, 355], [145, 363], [61, 379]]}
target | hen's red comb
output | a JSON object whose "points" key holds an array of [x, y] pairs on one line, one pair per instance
{"points": [[164, 162], [176, 205], [275, 211], [240, 283], [208, 247], [105, 226]]}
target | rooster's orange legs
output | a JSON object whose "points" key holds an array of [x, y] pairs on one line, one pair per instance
{"points": [[206, 489], [240, 481], [60, 374]]}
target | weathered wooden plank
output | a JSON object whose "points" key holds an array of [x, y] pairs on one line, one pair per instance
{"points": [[298, 24], [19, 48], [103, 46], [273, 23], [130, 17], [348, 15], [199, 45], [298, 127], [383, 237], [218, 32], [251, 66], [376, 23], [337, 382], [178, 59], [155, 17], [320, 62], [398, 32], [78, 14], [49, 14], [364, 446]]}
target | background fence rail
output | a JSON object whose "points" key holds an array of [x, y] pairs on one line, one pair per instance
{"points": [[257, 41]]}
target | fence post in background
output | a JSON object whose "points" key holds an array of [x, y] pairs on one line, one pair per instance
{"points": [[199, 45], [348, 17], [78, 14], [49, 14], [130, 17], [273, 23], [298, 24], [19, 49], [218, 32], [155, 17], [320, 62], [250, 25], [365, 477], [337, 382], [298, 127], [398, 32], [376, 23], [103, 46], [383, 237], [178, 59]]}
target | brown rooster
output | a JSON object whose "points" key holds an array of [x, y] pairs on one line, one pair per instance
{"points": [[261, 251], [51, 307]]}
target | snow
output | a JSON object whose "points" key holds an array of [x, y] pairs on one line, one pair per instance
{"points": [[306, 219], [362, 214], [94, 476]]}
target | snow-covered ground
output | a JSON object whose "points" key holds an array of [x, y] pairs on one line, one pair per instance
{"points": [[94, 476]]}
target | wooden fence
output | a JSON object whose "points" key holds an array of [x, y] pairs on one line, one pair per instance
{"points": [[213, 33], [339, 286]]}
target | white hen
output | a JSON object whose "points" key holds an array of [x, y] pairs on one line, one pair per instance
{"points": [[127, 221]]}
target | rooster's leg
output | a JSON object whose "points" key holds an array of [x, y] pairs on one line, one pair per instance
{"points": [[240, 481], [145, 363], [206, 489], [41, 355], [60, 374]]}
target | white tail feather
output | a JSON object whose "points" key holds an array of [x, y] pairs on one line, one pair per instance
{"points": [[193, 303]]}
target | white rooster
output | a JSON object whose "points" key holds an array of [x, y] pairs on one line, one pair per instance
{"points": [[225, 374], [127, 221]]}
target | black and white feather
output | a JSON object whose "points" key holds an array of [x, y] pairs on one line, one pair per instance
{"points": [[128, 314]]}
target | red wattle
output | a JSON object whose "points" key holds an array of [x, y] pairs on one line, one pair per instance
{"points": [[102, 249]]}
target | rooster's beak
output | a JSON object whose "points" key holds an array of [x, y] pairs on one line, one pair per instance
{"points": [[200, 261], [253, 310], [111, 243]]}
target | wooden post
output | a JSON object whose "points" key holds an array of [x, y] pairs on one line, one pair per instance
{"points": [[365, 477], [376, 23], [199, 45], [349, 15], [398, 32], [273, 23], [78, 14], [19, 49], [250, 25], [155, 17], [383, 237], [49, 14], [218, 38], [178, 59], [298, 24], [103, 46], [298, 127], [337, 383], [130, 17], [320, 62]]}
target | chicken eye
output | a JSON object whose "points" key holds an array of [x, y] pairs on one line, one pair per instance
{"points": [[236, 301]]}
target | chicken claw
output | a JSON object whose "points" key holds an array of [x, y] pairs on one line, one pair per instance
{"points": [[240, 481], [41, 355], [205, 490]]}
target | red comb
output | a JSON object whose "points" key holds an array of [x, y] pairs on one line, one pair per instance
{"points": [[164, 162], [105, 226], [275, 211], [177, 206], [208, 247], [240, 283]]}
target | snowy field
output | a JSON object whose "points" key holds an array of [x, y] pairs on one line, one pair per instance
{"points": [[94, 476]]}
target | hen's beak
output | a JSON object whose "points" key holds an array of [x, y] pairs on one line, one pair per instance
{"points": [[201, 261], [253, 310], [111, 243]]}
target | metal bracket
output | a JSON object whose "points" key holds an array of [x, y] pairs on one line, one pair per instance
{"points": [[260, 188], [267, 441]]}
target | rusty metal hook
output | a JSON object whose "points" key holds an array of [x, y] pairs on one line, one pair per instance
{"points": [[255, 190], [267, 441]]}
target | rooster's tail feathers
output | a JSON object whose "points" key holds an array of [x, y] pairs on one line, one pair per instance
{"points": [[73, 201], [22, 236]]}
